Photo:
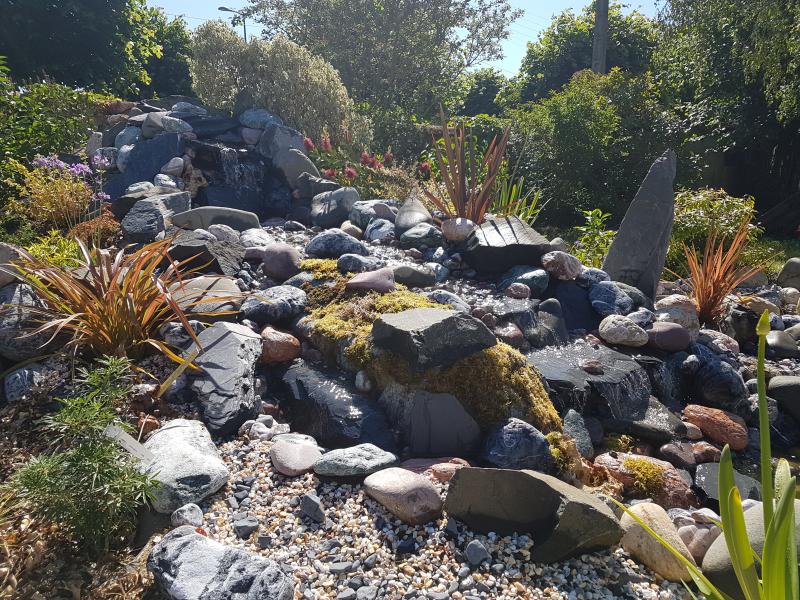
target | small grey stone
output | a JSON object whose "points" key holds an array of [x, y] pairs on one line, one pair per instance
{"points": [[476, 553], [188, 514]]}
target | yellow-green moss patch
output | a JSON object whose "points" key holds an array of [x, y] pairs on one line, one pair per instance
{"points": [[321, 268], [565, 453], [492, 384], [648, 477], [615, 442]]}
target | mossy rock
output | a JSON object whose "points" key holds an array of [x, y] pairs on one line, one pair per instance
{"points": [[648, 477], [494, 384]]}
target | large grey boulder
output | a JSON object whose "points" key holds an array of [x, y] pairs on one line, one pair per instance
{"points": [[563, 520], [637, 255], [292, 163], [205, 216], [330, 209], [144, 162], [277, 139], [430, 424], [150, 216], [207, 255], [431, 337], [19, 318], [499, 244], [186, 463], [717, 564], [190, 566], [226, 390]]}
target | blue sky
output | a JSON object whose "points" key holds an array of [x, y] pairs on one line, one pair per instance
{"points": [[537, 17]]}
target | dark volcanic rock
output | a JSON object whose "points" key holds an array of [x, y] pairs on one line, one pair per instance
{"points": [[656, 424], [575, 305], [714, 382], [637, 255], [502, 243], [333, 243], [516, 444], [706, 480], [431, 337], [325, 406], [620, 391], [563, 520], [223, 258], [150, 216], [145, 162]]}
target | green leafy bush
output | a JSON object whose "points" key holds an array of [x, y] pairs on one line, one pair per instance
{"points": [[595, 238], [88, 484], [279, 75], [58, 250], [698, 213], [590, 144]]}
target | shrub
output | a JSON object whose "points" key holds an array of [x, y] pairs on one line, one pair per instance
{"points": [[99, 231], [698, 213], [41, 119], [56, 249], [111, 305], [595, 240], [467, 179], [229, 73], [590, 144], [717, 273]]}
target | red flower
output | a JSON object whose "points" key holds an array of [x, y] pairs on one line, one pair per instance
{"points": [[376, 164], [350, 173], [388, 158], [325, 143], [308, 143], [329, 173], [366, 159], [424, 168]]}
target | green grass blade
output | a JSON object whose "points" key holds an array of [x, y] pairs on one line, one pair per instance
{"points": [[778, 562]]}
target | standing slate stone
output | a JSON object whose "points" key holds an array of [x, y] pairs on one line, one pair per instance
{"points": [[639, 250], [499, 244]]}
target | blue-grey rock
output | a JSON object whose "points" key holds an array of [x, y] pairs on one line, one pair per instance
{"points": [[411, 213], [226, 390], [536, 279], [203, 251], [590, 275], [379, 230], [258, 118], [19, 382], [499, 244], [516, 444], [330, 209], [277, 139], [363, 212], [357, 461], [444, 297], [188, 514], [476, 553], [188, 565], [185, 462], [575, 427], [713, 382], [608, 299], [332, 243], [422, 235], [355, 263], [150, 216], [311, 507], [144, 162], [128, 136], [413, 275], [274, 305]]}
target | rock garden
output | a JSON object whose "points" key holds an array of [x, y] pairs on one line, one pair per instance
{"points": [[269, 385]]}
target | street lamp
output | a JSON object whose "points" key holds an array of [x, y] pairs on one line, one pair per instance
{"points": [[241, 16]]}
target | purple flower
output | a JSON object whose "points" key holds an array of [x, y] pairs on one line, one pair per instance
{"points": [[49, 162], [100, 162], [80, 170], [102, 196]]}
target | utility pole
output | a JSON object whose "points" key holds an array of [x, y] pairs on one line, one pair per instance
{"points": [[600, 44], [239, 15]]}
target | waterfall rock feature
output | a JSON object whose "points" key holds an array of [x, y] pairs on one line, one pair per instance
{"points": [[637, 255]]}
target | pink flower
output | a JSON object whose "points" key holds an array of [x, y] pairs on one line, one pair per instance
{"points": [[366, 159], [388, 158], [424, 168], [350, 172], [308, 143], [325, 143], [329, 173]]}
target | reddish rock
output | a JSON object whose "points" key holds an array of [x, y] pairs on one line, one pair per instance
{"points": [[409, 496], [380, 280], [676, 493], [670, 337], [718, 425], [271, 409], [705, 452], [278, 346], [445, 471], [147, 425], [680, 454], [511, 335], [518, 290]]}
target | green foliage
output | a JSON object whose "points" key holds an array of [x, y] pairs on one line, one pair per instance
{"points": [[169, 72], [59, 250], [700, 212], [512, 198], [778, 579], [110, 379], [595, 238], [103, 45], [590, 144], [231, 74], [566, 47], [41, 119], [483, 86], [405, 54], [88, 484]]}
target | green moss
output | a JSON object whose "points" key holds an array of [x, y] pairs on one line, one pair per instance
{"points": [[326, 292], [493, 384], [648, 477], [565, 453], [321, 268], [617, 443]]}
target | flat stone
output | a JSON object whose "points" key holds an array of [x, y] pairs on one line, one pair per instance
{"points": [[188, 565], [412, 498], [411, 275], [208, 294], [357, 461], [639, 249], [207, 255], [186, 463], [293, 460], [275, 305], [431, 337], [563, 520], [226, 390], [205, 216], [499, 244]]}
